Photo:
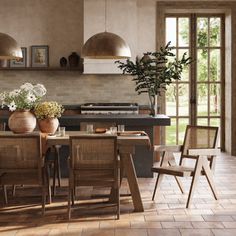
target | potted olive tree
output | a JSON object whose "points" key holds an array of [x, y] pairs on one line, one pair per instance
{"points": [[154, 71]]}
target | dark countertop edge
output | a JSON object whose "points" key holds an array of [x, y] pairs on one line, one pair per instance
{"points": [[77, 107], [134, 120]]}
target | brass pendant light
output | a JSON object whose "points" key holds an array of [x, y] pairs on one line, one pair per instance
{"points": [[106, 45], [9, 48]]}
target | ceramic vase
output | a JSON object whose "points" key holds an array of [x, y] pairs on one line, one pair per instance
{"points": [[74, 59], [63, 62], [22, 121], [48, 125]]}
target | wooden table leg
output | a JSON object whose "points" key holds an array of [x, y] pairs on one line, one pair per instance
{"points": [[128, 165]]}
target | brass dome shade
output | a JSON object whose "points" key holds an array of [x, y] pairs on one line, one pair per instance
{"points": [[9, 48], [106, 45]]}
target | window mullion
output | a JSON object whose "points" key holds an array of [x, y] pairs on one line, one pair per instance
{"points": [[193, 70]]}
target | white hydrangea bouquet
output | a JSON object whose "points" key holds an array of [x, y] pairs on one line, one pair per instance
{"points": [[24, 98]]}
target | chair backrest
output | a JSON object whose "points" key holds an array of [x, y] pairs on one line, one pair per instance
{"points": [[199, 137], [105, 125], [20, 152], [94, 156]]}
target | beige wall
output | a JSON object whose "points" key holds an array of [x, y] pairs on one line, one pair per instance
{"points": [[57, 23]]}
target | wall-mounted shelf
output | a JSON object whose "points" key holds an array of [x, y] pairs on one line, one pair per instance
{"points": [[40, 69]]}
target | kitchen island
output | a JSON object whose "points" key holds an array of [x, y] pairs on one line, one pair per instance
{"points": [[143, 158]]}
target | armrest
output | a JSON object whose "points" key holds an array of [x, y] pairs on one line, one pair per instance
{"points": [[204, 152], [165, 148]]}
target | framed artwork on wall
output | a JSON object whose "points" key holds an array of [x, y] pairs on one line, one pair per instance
{"points": [[40, 56], [21, 62]]}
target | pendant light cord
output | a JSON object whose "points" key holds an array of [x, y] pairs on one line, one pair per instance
{"points": [[105, 9]]}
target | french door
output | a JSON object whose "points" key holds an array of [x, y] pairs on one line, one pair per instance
{"points": [[198, 97]]}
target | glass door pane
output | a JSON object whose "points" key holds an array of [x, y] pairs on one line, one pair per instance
{"points": [[208, 70], [177, 94]]}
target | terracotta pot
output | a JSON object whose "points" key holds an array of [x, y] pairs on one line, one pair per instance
{"points": [[49, 125], [21, 122]]}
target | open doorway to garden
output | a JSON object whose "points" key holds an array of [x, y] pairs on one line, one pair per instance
{"points": [[198, 98]]}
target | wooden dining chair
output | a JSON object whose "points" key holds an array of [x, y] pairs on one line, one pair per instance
{"points": [[200, 144], [94, 162], [4, 187], [22, 163]]}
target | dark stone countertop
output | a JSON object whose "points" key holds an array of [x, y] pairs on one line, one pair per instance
{"points": [[134, 120]]}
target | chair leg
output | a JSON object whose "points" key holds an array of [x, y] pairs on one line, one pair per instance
{"points": [[69, 203], [209, 177], [43, 200], [118, 184], [157, 185], [179, 184], [5, 194], [197, 172], [58, 168], [54, 179], [48, 185], [13, 190], [73, 196]]}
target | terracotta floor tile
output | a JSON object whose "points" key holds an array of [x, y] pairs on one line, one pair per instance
{"points": [[196, 232], [188, 218], [172, 212], [199, 212], [145, 225], [8, 233], [134, 216], [83, 225], [131, 232], [207, 225], [229, 225], [33, 232], [217, 218], [224, 232], [159, 218], [178, 225], [60, 232], [116, 224], [98, 232], [163, 232]]}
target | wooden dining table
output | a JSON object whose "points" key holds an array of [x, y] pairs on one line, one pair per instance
{"points": [[126, 145]]}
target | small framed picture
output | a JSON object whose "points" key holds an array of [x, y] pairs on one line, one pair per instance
{"points": [[40, 56], [21, 62]]}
